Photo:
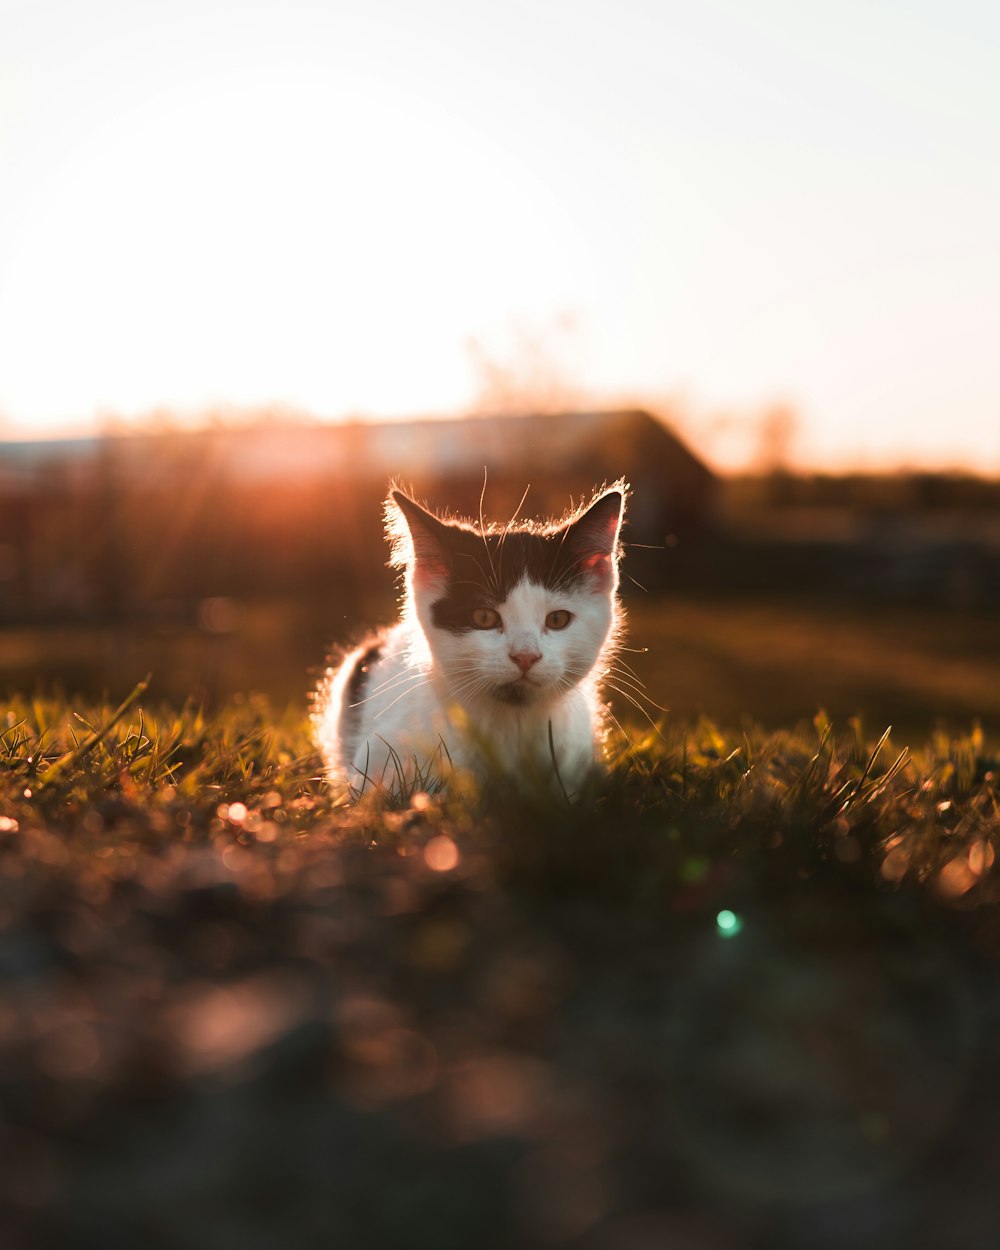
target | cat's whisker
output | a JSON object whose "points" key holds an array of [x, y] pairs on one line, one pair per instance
{"points": [[382, 711], [632, 690], [506, 528], [482, 530], [635, 696], [480, 585], [390, 683], [471, 687], [411, 681], [639, 689], [635, 703], [616, 659], [638, 686], [557, 554], [578, 673], [615, 721], [387, 687]]}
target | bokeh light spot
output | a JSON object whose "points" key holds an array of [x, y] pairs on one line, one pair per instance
{"points": [[728, 923], [441, 854]]}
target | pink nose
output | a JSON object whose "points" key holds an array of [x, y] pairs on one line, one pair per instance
{"points": [[525, 659]]}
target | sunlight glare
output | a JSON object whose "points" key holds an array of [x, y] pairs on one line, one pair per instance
{"points": [[295, 239], [329, 208]]}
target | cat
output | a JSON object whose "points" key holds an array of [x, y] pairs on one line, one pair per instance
{"points": [[496, 664]]}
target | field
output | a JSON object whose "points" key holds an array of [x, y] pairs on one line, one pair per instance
{"points": [[741, 995], [774, 662]]}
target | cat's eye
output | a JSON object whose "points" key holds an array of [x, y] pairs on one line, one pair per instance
{"points": [[485, 618], [558, 619]]}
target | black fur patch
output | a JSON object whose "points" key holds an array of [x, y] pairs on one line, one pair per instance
{"points": [[355, 687], [483, 572]]}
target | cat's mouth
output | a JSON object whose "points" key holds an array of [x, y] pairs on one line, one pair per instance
{"points": [[516, 693]]}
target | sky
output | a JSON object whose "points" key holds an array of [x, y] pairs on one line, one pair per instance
{"points": [[381, 207]]}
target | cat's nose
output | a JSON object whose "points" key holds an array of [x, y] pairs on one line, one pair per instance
{"points": [[525, 659]]}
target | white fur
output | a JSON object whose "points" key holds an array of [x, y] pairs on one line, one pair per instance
{"points": [[429, 703]]}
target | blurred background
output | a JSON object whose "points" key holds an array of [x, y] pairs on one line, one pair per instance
{"points": [[256, 259], [232, 559]]}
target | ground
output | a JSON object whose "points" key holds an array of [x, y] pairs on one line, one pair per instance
{"points": [[743, 994]]}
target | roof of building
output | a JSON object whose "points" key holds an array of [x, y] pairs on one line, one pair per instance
{"points": [[447, 447]]}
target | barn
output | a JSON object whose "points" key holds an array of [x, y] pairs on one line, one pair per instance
{"points": [[113, 527]]}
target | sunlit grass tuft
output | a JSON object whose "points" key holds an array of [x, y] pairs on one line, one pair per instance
{"points": [[677, 806]]}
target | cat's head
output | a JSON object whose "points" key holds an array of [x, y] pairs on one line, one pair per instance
{"points": [[516, 615]]}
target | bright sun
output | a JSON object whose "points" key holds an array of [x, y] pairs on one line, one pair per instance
{"points": [[282, 237], [214, 204]]}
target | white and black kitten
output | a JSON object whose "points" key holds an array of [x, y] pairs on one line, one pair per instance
{"points": [[497, 662]]}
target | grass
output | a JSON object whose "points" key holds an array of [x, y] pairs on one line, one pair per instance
{"points": [[813, 799], [744, 978]]}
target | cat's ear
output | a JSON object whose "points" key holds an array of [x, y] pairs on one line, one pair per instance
{"points": [[419, 539], [592, 539]]}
